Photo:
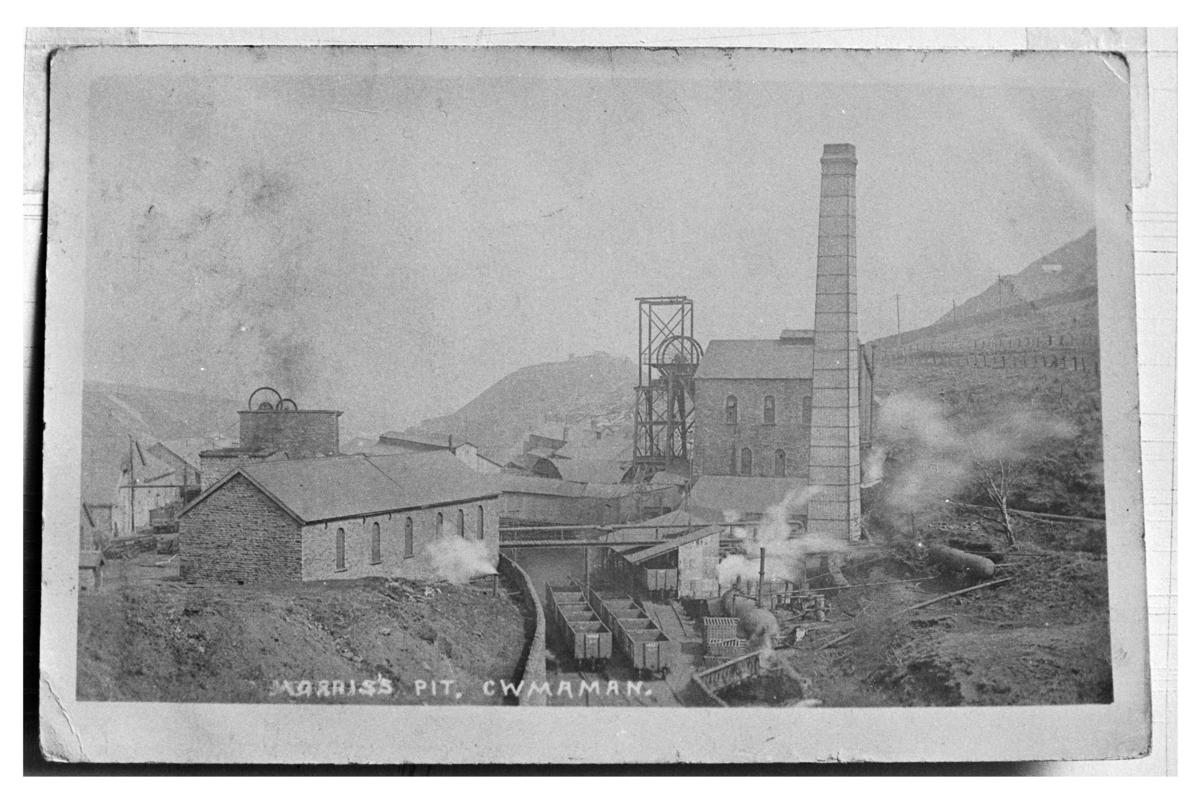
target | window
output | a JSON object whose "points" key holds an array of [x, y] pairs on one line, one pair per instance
{"points": [[340, 549], [731, 410], [747, 461], [460, 523], [733, 460], [806, 410], [480, 522], [768, 410], [408, 550], [376, 543], [781, 464], [439, 525]]}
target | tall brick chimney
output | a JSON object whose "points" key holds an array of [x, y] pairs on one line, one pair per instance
{"points": [[834, 459]]}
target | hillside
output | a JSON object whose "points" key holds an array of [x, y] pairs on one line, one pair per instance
{"points": [[1040, 358], [113, 412], [587, 394], [1069, 268]]}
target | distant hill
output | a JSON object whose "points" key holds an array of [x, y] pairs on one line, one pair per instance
{"points": [[1068, 268], [113, 412], [587, 394]]}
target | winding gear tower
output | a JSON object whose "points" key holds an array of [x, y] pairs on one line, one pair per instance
{"points": [[665, 407]]}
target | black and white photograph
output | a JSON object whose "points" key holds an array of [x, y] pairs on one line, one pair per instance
{"points": [[690, 384]]}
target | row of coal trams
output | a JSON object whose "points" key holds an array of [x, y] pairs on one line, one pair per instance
{"points": [[591, 624]]}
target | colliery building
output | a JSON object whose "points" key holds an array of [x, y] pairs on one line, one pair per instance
{"points": [[285, 505], [337, 517]]}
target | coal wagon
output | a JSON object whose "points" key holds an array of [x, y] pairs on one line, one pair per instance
{"points": [[635, 634], [584, 637]]}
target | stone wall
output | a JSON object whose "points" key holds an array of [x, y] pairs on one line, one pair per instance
{"points": [[239, 534], [534, 663], [319, 541], [715, 437]]}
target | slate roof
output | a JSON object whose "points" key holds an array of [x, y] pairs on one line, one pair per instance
{"points": [[744, 495], [756, 358], [340, 487]]}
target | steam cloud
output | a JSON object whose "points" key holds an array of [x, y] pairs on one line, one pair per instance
{"points": [[934, 458], [785, 556], [458, 560]]}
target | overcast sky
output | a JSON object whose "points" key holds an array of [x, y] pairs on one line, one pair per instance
{"points": [[390, 231]]}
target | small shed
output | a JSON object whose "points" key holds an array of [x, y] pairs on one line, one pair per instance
{"points": [[683, 565], [91, 567]]}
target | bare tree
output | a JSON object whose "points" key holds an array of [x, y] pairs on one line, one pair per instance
{"points": [[994, 479]]}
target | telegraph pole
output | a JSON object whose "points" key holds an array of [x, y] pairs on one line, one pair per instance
{"points": [[132, 491], [899, 329]]}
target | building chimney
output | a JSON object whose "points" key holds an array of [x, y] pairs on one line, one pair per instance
{"points": [[834, 459]]}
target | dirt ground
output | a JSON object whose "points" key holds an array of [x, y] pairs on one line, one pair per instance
{"points": [[148, 636], [1040, 639]]}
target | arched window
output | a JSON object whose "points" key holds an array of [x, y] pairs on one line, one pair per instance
{"points": [[340, 549], [439, 525], [806, 410], [460, 523], [768, 410], [733, 460], [781, 464], [375, 548], [731, 410], [409, 536], [480, 522], [747, 461]]}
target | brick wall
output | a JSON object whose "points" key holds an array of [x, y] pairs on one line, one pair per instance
{"points": [[239, 534], [714, 437], [319, 541], [302, 434]]}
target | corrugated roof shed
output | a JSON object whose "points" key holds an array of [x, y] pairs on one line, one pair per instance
{"points": [[527, 484], [340, 487], [744, 495], [646, 529], [422, 439], [590, 470], [647, 553], [756, 358]]}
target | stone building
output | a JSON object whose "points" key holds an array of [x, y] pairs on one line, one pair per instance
{"points": [[150, 486], [754, 411], [338, 517]]}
